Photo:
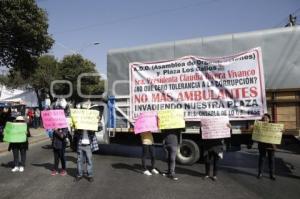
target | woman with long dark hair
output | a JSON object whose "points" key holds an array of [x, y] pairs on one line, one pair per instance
{"points": [[264, 150]]}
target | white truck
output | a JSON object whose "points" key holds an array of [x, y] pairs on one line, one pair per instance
{"points": [[281, 65]]}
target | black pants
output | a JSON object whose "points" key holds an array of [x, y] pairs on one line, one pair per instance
{"points": [[16, 156], [148, 149], [171, 158], [211, 157], [271, 157], [59, 154]]}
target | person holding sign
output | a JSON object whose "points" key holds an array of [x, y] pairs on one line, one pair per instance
{"points": [[264, 149], [212, 131], [171, 145], [86, 144], [148, 148], [86, 123], [171, 122], [59, 147], [17, 133], [144, 125]]}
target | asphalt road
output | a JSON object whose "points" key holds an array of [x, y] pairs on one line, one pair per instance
{"points": [[117, 176]]}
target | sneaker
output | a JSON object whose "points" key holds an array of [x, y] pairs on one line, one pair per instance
{"points": [[63, 172], [154, 171], [15, 169], [90, 179], [205, 177], [147, 172], [259, 176], [214, 178], [21, 169], [272, 178], [173, 177], [78, 178], [54, 173]]}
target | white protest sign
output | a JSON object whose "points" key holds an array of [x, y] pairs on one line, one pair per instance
{"points": [[230, 86], [215, 127]]}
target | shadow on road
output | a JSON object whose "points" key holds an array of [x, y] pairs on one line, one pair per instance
{"points": [[47, 166], [128, 151], [71, 159], [48, 146], [70, 171], [135, 168], [240, 163], [10, 164], [181, 170]]}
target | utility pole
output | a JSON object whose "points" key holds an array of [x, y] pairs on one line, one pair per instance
{"points": [[292, 21]]}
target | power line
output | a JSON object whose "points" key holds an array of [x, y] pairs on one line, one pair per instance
{"points": [[298, 10], [163, 11], [283, 22]]}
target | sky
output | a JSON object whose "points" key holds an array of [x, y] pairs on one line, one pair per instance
{"points": [[76, 25]]}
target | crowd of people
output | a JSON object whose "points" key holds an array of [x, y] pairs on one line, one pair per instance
{"points": [[86, 143]]}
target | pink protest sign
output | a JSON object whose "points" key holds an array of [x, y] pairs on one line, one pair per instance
{"points": [[147, 121], [215, 127], [54, 119]]}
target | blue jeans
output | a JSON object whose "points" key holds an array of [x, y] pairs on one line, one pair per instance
{"points": [[84, 154]]}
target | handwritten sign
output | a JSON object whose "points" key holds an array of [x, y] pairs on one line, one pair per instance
{"points": [[70, 121], [15, 132], [54, 119], [215, 127], [267, 132], [85, 119], [147, 121], [171, 119]]}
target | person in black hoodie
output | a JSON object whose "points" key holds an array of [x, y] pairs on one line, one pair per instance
{"points": [[265, 149], [171, 145], [59, 147]]}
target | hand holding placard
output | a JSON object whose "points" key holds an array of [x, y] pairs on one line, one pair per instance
{"points": [[15, 132], [171, 119], [54, 119], [215, 127], [146, 122], [267, 132], [85, 119]]}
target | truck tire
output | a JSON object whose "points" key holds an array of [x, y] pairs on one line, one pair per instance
{"points": [[188, 152]]}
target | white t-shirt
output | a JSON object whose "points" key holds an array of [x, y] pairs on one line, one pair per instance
{"points": [[85, 138]]}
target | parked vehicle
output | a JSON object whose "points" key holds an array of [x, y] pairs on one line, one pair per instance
{"points": [[280, 55]]}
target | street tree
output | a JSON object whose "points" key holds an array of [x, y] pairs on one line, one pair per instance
{"points": [[70, 69], [40, 79], [23, 35], [47, 71]]}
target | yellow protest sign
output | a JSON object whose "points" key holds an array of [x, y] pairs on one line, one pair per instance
{"points": [[85, 119], [267, 132], [171, 119]]}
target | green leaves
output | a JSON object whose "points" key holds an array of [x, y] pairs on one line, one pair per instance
{"points": [[23, 34], [71, 67]]}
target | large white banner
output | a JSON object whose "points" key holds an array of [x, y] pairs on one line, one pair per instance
{"points": [[230, 86]]}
